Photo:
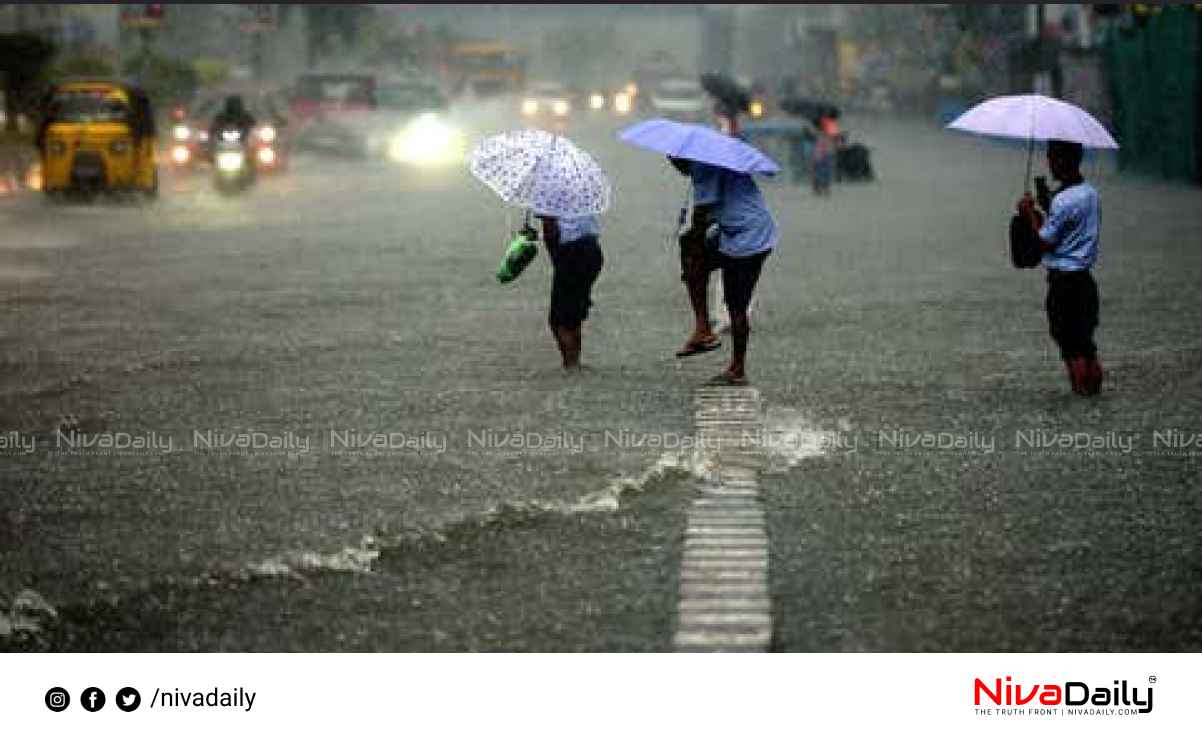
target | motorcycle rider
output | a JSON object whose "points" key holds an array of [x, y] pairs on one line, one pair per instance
{"points": [[233, 115]]}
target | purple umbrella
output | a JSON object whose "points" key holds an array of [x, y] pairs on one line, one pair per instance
{"points": [[698, 143], [1034, 118]]}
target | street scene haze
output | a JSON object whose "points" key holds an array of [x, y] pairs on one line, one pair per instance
{"points": [[600, 328]]}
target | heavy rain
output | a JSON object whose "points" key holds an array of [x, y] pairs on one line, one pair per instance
{"points": [[600, 327]]}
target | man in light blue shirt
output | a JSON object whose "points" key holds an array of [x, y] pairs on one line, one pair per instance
{"points": [[1069, 240], [1071, 229], [745, 224], [746, 235]]}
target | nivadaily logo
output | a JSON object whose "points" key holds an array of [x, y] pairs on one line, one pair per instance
{"points": [[1069, 697]]}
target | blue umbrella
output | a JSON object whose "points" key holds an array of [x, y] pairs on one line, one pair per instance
{"points": [[698, 143]]}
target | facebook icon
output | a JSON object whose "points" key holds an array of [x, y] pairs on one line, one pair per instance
{"points": [[92, 699]]}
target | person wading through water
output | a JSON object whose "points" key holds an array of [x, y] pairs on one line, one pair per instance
{"points": [[1068, 236], [575, 251], [745, 235]]}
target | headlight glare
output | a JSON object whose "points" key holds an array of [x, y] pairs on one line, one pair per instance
{"points": [[229, 161]]}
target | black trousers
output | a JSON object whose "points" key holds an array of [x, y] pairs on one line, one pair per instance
{"points": [[739, 275], [1072, 307], [576, 267]]}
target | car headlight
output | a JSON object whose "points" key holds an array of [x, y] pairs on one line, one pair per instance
{"points": [[426, 141], [596, 101], [267, 134], [119, 146], [529, 107], [229, 161], [181, 133], [622, 103], [560, 107]]}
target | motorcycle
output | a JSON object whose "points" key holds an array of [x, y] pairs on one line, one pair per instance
{"points": [[234, 170]]}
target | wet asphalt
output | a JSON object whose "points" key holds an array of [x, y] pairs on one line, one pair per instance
{"points": [[358, 296]]}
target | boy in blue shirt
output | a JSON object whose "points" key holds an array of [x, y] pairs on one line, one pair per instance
{"points": [[746, 235], [1068, 236]]}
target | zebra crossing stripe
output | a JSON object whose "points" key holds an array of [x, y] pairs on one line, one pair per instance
{"points": [[723, 600]]}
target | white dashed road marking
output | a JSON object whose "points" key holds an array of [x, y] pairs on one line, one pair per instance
{"points": [[724, 602]]}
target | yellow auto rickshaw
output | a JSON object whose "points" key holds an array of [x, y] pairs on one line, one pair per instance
{"points": [[98, 136]]}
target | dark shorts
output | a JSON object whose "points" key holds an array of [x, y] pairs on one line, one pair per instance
{"points": [[577, 265], [1072, 307], [739, 275], [824, 170]]}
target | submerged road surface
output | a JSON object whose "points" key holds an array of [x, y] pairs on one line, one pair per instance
{"points": [[205, 384]]}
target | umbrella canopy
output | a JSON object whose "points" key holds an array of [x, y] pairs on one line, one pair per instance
{"points": [[1034, 118], [698, 143], [543, 172]]}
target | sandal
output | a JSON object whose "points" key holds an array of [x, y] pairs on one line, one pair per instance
{"points": [[700, 346], [726, 378]]}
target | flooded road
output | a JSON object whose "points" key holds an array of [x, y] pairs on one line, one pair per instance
{"points": [[330, 357]]}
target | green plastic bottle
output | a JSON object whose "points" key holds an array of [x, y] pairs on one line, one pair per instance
{"points": [[520, 253]]}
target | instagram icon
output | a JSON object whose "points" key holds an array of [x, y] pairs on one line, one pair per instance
{"points": [[57, 699]]}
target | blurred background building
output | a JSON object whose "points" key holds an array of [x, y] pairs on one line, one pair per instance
{"points": [[1134, 66]]}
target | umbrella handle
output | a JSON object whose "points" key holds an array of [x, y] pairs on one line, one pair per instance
{"points": [[1030, 155], [684, 207]]}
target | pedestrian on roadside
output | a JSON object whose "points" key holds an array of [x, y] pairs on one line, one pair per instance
{"points": [[575, 251], [745, 234], [826, 145], [1068, 236]]}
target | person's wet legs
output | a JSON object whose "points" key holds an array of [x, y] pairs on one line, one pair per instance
{"points": [[569, 338], [697, 284], [576, 270], [696, 280], [557, 334], [740, 331], [1095, 376], [1072, 308], [739, 279]]}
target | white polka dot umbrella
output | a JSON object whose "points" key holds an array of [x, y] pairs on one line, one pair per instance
{"points": [[543, 172]]}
